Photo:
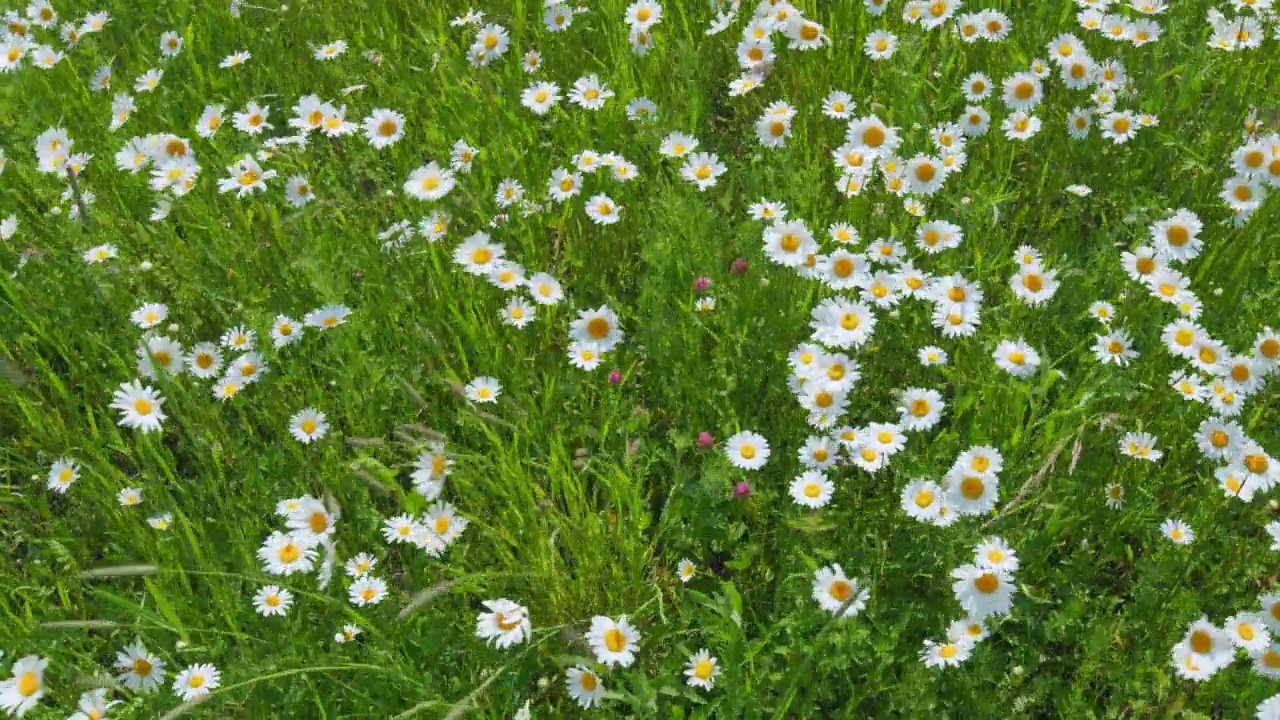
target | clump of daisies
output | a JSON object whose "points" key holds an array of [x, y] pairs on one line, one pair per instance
{"points": [[593, 334], [984, 589], [309, 530], [972, 487], [433, 532], [1206, 648]]}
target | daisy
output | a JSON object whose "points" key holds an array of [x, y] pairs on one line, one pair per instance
{"points": [[161, 521], [812, 489], [677, 145], [308, 425], [327, 317], [139, 406], [922, 500], [598, 327], [564, 184], [880, 45], [429, 182], [948, 654], [272, 600], [93, 705], [1140, 445], [505, 624], [298, 191], [1020, 126], [145, 82], [837, 593], [100, 254], [62, 473], [995, 553], [747, 450], [283, 554], [23, 691], [1114, 347], [614, 642], [383, 127], [602, 210], [838, 105], [1177, 531], [702, 169], [545, 289], [444, 524], [149, 315], [143, 672], [196, 681], [685, 569], [932, 355], [360, 565], [540, 97], [235, 59], [128, 497], [1017, 358], [1115, 495], [1248, 632], [246, 176], [584, 686], [983, 592], [483, 389], [1119, 127], [589, 93], [367, 590], [348, 634], [702, 670], [329, 51]]}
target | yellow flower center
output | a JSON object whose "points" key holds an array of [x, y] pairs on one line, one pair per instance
{"points": [[1201, 642], [28, 684], [923, 499], [986, 583], [841, 590], [598, 328], [615, 640], [142, 407], [388, 128], [972, 488], [289, 553]]}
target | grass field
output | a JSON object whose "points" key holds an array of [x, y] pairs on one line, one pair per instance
{"points": [[577, 493]]}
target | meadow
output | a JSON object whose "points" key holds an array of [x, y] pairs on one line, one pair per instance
{"points": [[832, 360]]}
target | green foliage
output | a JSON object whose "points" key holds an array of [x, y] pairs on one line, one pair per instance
{"points": [[583, 495]]}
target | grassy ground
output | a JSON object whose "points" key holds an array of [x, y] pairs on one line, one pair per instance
{"points": [[582, 494]]}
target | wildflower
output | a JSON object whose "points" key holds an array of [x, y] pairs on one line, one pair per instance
{"points": [[367, 590], [196, 681], [139, 406], [702, 670], [272, 600], [584, 686], [23, 691], [837, 593], [505, 624], [614, 642]]}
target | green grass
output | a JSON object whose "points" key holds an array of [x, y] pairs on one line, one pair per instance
{"points": [[582, 495]]}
